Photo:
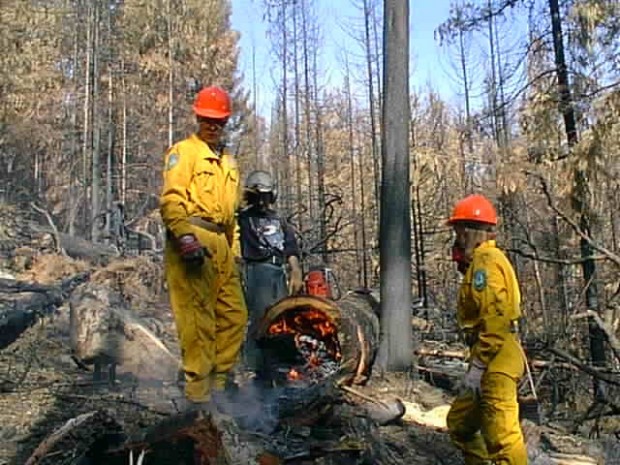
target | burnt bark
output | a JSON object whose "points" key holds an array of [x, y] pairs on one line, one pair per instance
{"points": [[23, 303], [395, 228]]}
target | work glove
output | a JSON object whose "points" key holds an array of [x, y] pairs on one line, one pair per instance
{"points": [[192, 252], [473, 378]]}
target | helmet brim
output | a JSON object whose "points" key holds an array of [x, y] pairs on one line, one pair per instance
{"points": [[208, 113]]}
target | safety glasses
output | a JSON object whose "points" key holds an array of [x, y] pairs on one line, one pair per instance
{"points": [[218, 123]]}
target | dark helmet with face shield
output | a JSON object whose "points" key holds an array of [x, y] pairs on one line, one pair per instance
{"points": [[260, 183]]}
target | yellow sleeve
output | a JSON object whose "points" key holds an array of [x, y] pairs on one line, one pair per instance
{"points": [[233, 232], [233, 236], [490, 292], [174, 201]]}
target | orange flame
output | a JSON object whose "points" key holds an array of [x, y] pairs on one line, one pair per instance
{"points": [[312, 322]]}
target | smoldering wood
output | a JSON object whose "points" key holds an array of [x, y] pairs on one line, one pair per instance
{"points": [[75, 438], [191, 437]]}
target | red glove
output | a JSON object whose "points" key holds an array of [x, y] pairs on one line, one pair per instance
{"points": [[189, 245], [192, 252]]}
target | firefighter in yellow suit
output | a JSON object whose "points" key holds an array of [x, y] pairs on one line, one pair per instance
{"points": [[484, 419], [200, 196]]}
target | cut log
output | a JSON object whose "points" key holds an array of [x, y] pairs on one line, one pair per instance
{"points": [[383, 411], [104, 331], [435, 418], [356, 324]]}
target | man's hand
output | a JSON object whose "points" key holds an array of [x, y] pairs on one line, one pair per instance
{"points": [[295, 281], [473, 378], [192, 251]]}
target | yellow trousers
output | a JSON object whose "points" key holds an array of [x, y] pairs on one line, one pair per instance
{"points": [[487, 428], [210, 314]]}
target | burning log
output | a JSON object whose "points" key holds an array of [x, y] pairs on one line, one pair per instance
{"points": [[308, 338]]}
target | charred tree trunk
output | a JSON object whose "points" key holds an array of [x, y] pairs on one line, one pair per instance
{"points": [[395, 230], [23, 303], [581, 194]]}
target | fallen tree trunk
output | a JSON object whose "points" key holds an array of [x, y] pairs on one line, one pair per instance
{"points": [[81, 249], [24, 303], [607, 377]]}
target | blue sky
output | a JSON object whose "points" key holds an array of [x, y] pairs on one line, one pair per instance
{"points": [[429, 64]]}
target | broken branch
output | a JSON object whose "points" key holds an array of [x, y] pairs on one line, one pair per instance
{"points": [[583, 367], [611, 338]]}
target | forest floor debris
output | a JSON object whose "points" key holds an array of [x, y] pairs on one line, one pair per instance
{"points": [[43, 387]]}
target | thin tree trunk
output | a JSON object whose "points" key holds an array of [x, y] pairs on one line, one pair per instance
{"points": [[320, 167], [111, 128], [360, 160], [96, 158], [354, 200], [376, 174], [87, 132], [417, 223], [73, 184], [123, 183], [377, 59], [257, 161], [307, 110], [468, 129], [285, 154], [170, 74], [493, 83], [580, 192], [298, 177]]}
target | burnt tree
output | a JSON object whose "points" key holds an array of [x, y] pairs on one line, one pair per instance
{"points": [[395, 228]]}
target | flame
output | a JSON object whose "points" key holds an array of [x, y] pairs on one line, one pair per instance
{"points": [[293, 375], [312, 322], [310, 319]]}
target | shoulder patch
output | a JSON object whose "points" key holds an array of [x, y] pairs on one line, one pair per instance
{"points": [[173, 160], [479, 279]]}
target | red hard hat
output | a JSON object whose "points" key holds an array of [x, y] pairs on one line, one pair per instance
{"points": [[475, 207], [213, 102], [317, 285]]}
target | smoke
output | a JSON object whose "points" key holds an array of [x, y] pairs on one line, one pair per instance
{"points": [[253, 407]]}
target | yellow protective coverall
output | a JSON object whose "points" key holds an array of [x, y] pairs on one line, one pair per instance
{"points": [[486, 428], [208, 305]]}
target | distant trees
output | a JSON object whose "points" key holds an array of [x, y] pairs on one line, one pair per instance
{"points": [[98, 90]]}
